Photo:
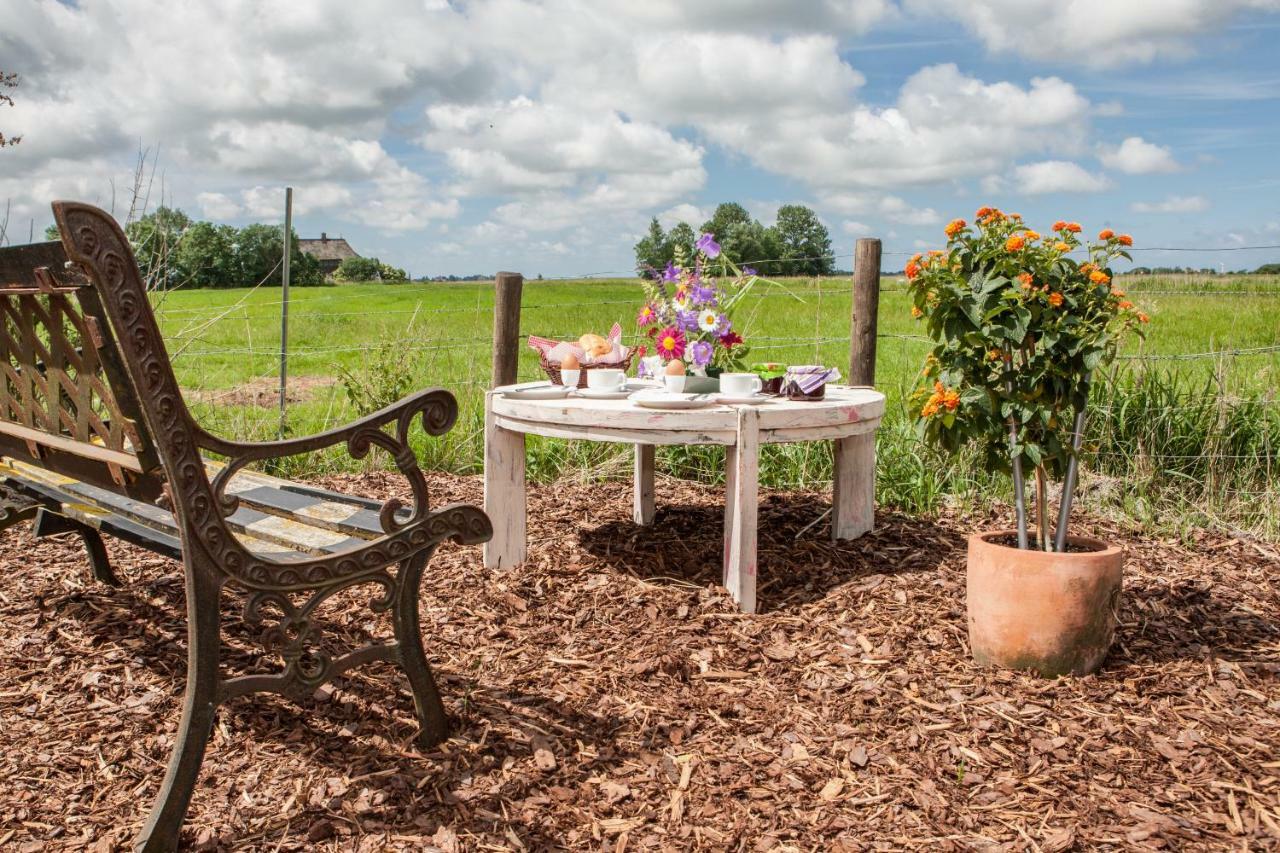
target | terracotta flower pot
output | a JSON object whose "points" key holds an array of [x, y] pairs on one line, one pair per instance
{"points": [[1049, 612]]}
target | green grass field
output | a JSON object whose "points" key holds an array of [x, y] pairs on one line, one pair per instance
{"points": [[226, 350]]}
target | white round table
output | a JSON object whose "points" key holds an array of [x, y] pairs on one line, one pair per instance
{"points": [[847, 416]]}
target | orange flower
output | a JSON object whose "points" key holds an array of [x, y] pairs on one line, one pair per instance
{"points": [[1106, 234], [1032, 235], [1143, 318], [1016, 217], [993, 355], [1125, 305], [935, 253], [1087, 268], [1062, 247], [1014, 243], [1125, 240], [916, 312], [915, 259], [1055, 299], [954, 227], [1059, 226], [1115, 291], [983, 213], [1073, 227], [1099, 277], [1025, 278], [912, 270]]}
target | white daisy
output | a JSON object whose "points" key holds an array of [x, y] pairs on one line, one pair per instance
{"points": [[707, 321]]}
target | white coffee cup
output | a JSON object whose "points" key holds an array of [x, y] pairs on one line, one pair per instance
{"points": [[675, 384], [740, 384], [606, 379], [569, 378]]}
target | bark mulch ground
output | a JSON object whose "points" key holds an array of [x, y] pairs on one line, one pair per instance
{"points": [[608, 696]]}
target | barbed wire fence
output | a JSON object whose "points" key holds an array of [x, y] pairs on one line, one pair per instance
{"points": [[445, 330]]}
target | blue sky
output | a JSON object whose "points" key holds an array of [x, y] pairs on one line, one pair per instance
{"points": [[541, 136]]}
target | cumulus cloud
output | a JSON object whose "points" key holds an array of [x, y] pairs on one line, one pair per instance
{"points": [[1173, 204], [1096, 33], [1058, 176], [1136, 156]]}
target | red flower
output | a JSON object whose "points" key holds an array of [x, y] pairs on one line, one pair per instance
{"points": [[1060, 225], [730, 340], [670, 343]]}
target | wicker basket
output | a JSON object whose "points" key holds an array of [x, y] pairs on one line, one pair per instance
{"points": [[553, 370]]}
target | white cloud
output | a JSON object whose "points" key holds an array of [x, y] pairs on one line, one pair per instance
{"points": [[1058, 176], [855, 229], [899, 211], [1136, 156], [1096, 33], [692, 214], [1173, 204], [218, 206]]}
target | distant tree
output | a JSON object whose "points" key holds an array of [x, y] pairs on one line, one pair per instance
{"points": [[389, 273], [8, 80], [359, 269], [805, 244], [206, 256], [1268, 269], [728, 215], [52, 233], [681, 234], [155, 239], [654, 249]]}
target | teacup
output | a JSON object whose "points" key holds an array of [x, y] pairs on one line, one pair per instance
{"points": [[740, 384], [606, 379], [675, 384], [569, 378]]}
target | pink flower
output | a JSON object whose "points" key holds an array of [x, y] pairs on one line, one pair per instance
{"points": [[646, 316], [670, 343]]}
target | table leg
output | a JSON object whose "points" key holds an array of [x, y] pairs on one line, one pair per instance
{"points": [[742, 479], [504, 492], [854, 493], [642, 485]]}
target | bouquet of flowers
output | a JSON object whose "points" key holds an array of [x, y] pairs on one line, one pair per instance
{"points": [[687, 311]]}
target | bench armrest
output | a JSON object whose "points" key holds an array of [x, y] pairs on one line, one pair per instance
{"points": [[437, 406]]}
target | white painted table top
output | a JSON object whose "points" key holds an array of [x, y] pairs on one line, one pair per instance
{"points": [[845, 411]]}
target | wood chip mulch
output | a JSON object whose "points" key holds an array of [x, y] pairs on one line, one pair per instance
{"points": [[608, 696]]}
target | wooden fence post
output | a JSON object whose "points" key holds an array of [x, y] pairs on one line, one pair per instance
{"points": [[866, 305], [506, 326]]}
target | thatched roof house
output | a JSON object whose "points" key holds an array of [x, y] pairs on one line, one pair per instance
{"points": [[328, 251]]}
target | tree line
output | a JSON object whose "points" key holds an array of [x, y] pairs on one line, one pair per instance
{"points": [[175, 251], [797, 244]]}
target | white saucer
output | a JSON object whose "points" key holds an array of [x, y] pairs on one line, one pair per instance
{"points": [[655, 399], [744, 399], [538, 392], [605, 394]]}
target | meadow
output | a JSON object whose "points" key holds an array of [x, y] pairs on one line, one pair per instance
{"points": [[1181, 437]]}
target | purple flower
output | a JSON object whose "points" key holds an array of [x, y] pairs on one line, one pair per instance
{"points": [[687, 320], [702, 352], [708, 246], [701, 294], [672, 273], [723, 325], [749, 271]]}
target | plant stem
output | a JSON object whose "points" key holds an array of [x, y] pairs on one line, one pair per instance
{"points": [[1073, 473], [1019, 484], [1042, 509]]}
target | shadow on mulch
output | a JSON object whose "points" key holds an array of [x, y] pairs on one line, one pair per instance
{"points": [[799, 563], [1185, 620]]}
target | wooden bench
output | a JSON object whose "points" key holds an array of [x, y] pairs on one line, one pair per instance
{"points": [[95, 438]]}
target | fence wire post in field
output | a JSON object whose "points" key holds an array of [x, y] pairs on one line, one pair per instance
{"points": [[506, 326], [866, 307], [284, 303]]}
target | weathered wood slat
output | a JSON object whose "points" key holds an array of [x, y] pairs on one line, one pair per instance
{"points": [[262, 532]]}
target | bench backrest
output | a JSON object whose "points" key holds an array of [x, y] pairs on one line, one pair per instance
{"points": [[66, 400]]}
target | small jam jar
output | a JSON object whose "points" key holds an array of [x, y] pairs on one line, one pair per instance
{"points": [[808, 382]]}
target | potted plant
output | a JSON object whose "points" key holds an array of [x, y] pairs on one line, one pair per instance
{"points": [[1020, 328], [687, 314]]}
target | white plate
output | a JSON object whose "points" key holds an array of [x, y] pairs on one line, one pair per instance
{"points": [[744, 399], [538, 392], [664, 400], [600, 394]]}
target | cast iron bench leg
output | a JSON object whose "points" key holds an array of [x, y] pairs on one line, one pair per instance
{"points": [[204, 587], [413, 660], [49, 524]]}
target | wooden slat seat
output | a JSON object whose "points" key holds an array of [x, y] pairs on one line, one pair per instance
{"points": [[95, 438]]}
